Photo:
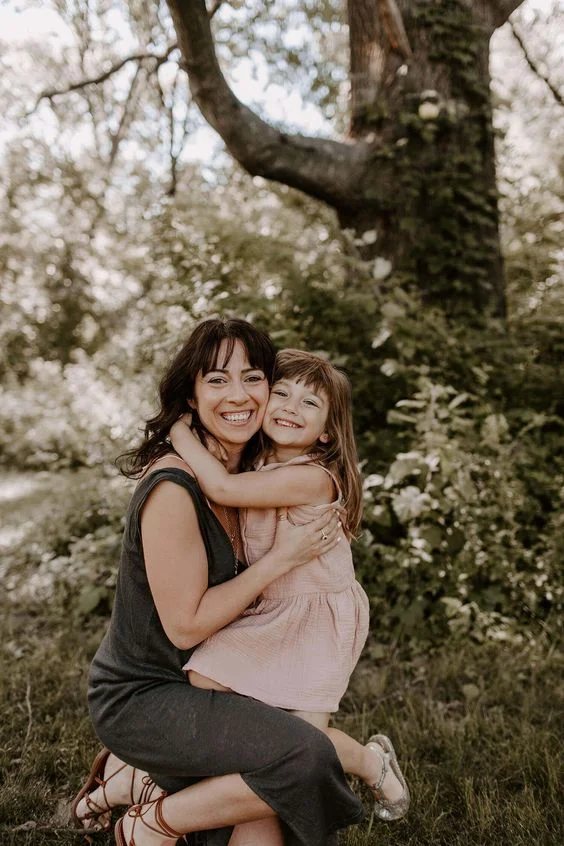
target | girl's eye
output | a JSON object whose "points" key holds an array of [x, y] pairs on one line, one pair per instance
{"points": [[279, 393], [312, 403]]}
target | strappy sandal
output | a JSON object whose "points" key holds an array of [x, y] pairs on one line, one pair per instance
{"points": [[137, 812], [96, 779], [384, 808]]}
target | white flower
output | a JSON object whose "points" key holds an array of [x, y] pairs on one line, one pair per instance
{"points": [[429, 111], [382, 268], [410, 503]]}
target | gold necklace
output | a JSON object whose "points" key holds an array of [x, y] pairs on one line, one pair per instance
{"points": [[234, 536]]}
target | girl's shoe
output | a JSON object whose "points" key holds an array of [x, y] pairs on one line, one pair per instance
{"points": [[98, 816], [137, 813], [384, 808]]}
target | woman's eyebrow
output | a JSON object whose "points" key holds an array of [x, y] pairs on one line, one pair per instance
{"points": [[226, 370]]}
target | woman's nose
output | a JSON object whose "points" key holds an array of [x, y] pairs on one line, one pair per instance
{"points": [[238, 392]]}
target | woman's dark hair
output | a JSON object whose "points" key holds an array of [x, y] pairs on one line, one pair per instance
{"points": [[199, 354]]}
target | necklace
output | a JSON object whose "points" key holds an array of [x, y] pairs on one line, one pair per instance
{"points": [[234, 536]]}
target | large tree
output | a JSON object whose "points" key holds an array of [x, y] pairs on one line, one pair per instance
{"points": [[415, 176]]}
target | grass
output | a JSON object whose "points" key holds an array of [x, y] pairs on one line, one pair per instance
{"points": [[478, 729]]}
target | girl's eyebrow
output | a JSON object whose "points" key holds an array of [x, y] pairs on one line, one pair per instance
{"points": [[313, 394]]}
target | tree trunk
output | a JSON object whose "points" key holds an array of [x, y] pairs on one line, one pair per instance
{"points": [[420, 96], [415, 180]]}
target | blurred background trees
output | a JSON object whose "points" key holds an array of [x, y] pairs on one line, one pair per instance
{"points": [[125, 221]]}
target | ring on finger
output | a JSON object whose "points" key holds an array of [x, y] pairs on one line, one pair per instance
{"points": [[324, 536]]}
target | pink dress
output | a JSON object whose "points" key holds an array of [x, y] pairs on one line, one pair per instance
{"points": [[297, 646]]}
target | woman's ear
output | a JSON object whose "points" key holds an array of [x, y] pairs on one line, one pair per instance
{"points": [[191, 404], [324, 438]]}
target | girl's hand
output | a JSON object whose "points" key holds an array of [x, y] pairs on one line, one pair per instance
{"points": [[181, 427], [296, 545]]}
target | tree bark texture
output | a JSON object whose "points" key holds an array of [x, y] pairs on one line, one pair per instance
{"points": [[417, 170]]}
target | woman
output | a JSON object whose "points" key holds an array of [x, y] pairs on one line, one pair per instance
{"points": [[225, 759]]}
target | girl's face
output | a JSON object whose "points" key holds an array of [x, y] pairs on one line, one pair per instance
{"points": [[231, 400], [296, 416]]}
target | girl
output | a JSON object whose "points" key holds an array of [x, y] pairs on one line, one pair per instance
{"points": [[296, 647]]}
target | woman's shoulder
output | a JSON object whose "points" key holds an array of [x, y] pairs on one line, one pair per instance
{"points": [[169, 461]]}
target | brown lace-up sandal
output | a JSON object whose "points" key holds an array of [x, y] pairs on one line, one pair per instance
{"points": [[384, 808], [138, 812], [96, 810]]}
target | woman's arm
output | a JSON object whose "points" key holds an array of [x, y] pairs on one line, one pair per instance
{"points": [[297, 485], [177, 566]]}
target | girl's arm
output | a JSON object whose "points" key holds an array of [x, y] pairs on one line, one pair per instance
{"points": [[303, 484], [177, 565]]}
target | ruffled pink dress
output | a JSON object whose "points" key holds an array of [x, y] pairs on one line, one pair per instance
{"points": [[297, 646]]}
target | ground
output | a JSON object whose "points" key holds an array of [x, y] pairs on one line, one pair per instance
{"points": [[478, 727]]}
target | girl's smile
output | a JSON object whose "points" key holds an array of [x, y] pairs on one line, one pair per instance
{"points": [[295, 417]]}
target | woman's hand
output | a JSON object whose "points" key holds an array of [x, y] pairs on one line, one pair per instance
{"points": [[296, 545]]}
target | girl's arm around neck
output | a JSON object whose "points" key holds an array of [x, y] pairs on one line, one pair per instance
{"points": [[299, 484], [177, 565]]}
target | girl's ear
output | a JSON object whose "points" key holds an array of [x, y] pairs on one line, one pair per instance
{"points": [[324, 438]]}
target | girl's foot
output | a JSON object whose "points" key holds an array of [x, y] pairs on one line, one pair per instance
{"points": [[145, 825], [110, 783], [391, 793]]}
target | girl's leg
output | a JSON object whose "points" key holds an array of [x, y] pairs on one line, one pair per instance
{"points": [[198, 680], [356, 759]]}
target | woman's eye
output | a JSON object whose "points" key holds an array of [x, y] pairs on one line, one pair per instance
{"points": [[216, 380], [255, 378]]}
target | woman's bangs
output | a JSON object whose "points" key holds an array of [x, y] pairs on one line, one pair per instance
{"points": [[214, 358]]}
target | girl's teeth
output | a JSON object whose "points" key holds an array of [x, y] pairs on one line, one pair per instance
{"points": [[288, 425]]}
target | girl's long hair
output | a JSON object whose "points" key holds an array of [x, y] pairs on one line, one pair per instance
{"points": [[339, 455], [199, 354]]}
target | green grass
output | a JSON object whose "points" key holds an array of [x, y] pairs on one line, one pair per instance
{"points": [[478, 729]]}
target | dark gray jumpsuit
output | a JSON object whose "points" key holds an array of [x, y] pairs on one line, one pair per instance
{"points": [[146, 712]]}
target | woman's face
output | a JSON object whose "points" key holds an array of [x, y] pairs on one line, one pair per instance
{"points": [[231, 401]]}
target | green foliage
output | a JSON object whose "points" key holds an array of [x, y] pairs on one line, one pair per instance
{"points": [[67, 554]]}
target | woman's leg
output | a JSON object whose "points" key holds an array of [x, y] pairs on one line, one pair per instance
{"points": [[260, 833], [117, 784], [212, 803]]}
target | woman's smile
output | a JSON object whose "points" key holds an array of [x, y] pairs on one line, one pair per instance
{"points": [[231, 399]]}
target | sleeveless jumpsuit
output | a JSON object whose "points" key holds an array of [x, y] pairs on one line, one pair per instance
{"points": [[146, 712]]}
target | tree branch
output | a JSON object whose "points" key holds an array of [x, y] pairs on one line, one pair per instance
{"points": [[327, 170], [159, 58], [534, 67], [493, 13]]}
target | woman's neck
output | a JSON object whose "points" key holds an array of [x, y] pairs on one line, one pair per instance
{"points": [[231, 459]]}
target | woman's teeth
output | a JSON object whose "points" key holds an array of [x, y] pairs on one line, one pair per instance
{"points": [[237, 416]]}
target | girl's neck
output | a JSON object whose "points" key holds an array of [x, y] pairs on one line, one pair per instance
{"points": [[281, 454]]}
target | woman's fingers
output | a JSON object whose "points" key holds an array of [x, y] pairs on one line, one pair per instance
{"points": [[326, 531]]}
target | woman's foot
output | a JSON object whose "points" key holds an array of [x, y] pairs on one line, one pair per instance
{"points": [[386, 781], [110, 783], [145, 825]]}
